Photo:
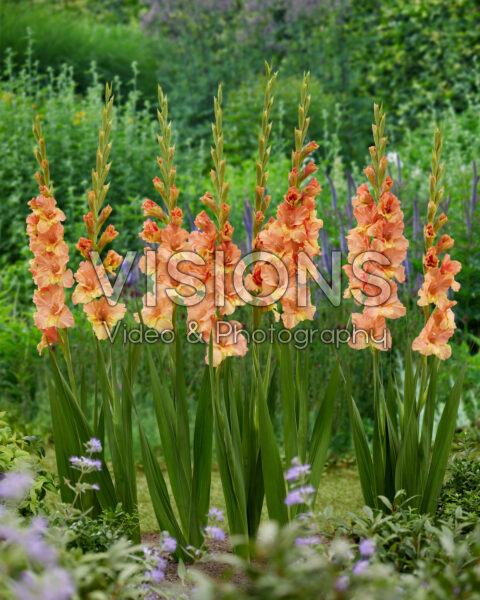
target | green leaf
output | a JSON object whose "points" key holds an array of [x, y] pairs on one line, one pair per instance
{"points": [[202, 463], [273, 477], [323, 427], [442, 445]]}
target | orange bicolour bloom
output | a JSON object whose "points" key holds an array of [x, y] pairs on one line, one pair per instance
{"points": [[439, 279], [433, 338], [49, 266], [157, 311], [293, 233], [205, 317], [91, 283], [378, 240], [439, 273], [103, 317]]}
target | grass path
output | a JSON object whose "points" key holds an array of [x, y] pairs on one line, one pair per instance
{"points": [[339, 487]]}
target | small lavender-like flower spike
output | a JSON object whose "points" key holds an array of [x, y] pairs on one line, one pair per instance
{"points": [[325, 251], [416, 219], [474, 197], [14, 485], [350, 193], [445, 204], [343, 243], [191, 220]]}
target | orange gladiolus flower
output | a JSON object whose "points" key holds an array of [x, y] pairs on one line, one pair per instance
{"points": [[92, 283], [48, 266], [379, 229], [438, 330], [103, 317], [51, 309], [370, 330]]}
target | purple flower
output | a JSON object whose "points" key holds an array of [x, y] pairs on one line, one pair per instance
{"points": [[157, 575], [215, 533], [95, 486], [342, 583], [83, 463], [311, 540], [216, 514], [93, 445], [15, 484], [367, 548], [295, 472], [299, 496], [359, 567], [55, 584], [168, 544]]}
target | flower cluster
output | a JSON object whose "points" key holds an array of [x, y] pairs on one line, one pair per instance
{"points": [[293, 233], [214, 532], [156, 562], [49, 265], [377, 249], [38, 574], [93, 287], [439, 273], [211, 242], [297, 475]]}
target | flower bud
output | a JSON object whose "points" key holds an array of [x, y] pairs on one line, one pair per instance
{"points": [[158, 185], [89, 224], [224, 212], [209, 201], [309, 169], [440, 222], [106, 212], [176, 216], [432, 209], [430, 260], [227, 232], [107, 236], [444, 243], [151, 232], [84, 246], [259, 217], [91, 201], [370, 173], [293, 177], [309, 148], [174, 191], [429, 232], [152, 209]]}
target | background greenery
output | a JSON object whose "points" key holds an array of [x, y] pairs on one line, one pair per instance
{"points": [[417, 57]]}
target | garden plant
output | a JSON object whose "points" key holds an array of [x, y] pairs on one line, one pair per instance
{"points": [[239, 341]]}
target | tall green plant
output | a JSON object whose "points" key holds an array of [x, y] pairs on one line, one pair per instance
{"points": [[406, 453]]}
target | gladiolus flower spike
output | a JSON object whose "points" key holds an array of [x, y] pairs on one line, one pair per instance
{"points": [[50, 253], [439, 272], [379, 231], [93, 286]]}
